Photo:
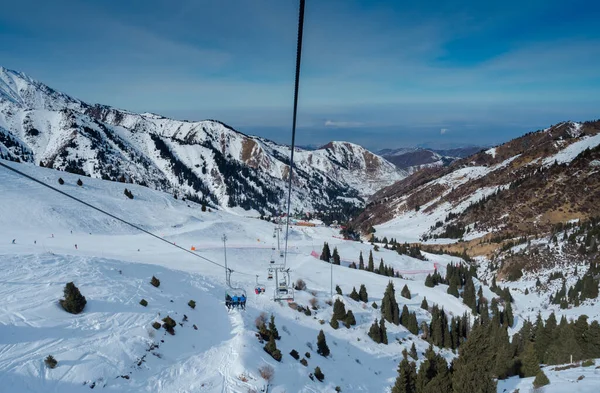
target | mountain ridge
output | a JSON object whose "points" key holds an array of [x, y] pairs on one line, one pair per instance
{"points": [[206, 160]]}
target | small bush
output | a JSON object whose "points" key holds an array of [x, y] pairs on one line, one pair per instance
{"points": [[155, 282], [319, 374], [203, 208], [128, 194], [300, 285], [50, 361], [143, 302], [192, 304], [304, 362], [329, 302], [540, 380], [307, 312], [374, 305], [314, 303], [79, 182], [580, 377], [261, 320], [169, 324], [74, 302], [267, 373], [156, 325], [307, 354], [61, 181], [588, 363], [338, 389], [295, 354]]}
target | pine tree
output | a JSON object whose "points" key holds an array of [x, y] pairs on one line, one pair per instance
{"points": [[273, 329], [336, 256], [405, 292], [404, 316], [79, 182], [389, 306], [405, 382], [529, 361], [339, 310], [413, 325], [469, 295], [503, 359], [271, 348], [354, 295], [361, 262], [350, 320], [452, 289], [540, 380], [319, 374], [543, 338], [413, 352], [364, 296], [429, 281], [370, 266], [472, 369], [74, 302], [338, 290], [383, 332], [334, 323], [325, 254], [322, 348], [424, 304], [375, 332]]}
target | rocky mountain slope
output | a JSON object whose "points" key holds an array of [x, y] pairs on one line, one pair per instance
{"points": [[520, 190], [204, 160]]}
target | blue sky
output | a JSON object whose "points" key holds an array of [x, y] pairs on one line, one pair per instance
{"points": [[379, 73]]}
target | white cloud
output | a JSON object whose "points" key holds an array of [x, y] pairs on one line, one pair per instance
{"points": [[443, 131], [332, 123]]}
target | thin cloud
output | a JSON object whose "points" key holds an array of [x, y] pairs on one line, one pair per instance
{"points": [[332, 123]]}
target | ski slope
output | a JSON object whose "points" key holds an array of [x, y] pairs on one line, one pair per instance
{"points": [[111, 345]]}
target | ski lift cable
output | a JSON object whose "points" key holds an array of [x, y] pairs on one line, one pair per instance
{"points": [[296, 85], [117, 218]]}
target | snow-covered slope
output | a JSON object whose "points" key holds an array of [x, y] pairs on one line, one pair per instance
{"points": [[207, 160], [112, 345], [522, 187]]}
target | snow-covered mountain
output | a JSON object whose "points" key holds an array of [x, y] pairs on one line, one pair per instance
{"points": [[412, 159], [204, 160]]}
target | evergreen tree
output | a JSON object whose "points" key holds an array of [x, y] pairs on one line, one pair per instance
{"points": [[540, 380], [364, 296], [361, 262], [74, 302], [354, 295], [381, 269], [404, 316], [389, 306], [273, 329], [271, 349], [339, 310], [405, 292], [338, 290], [508, 314], [424, 304], [429, 281], [322, 348], [336, 256], [413, 324], [350, 320], [413, 352], [334, 323], [472, 369], [529, 361], [503, 361], [543, 338], [405, 382], [79, 182], [370, 266], [383, 332], [326, 253], [375, 332], [452, 289], [469, 295]]}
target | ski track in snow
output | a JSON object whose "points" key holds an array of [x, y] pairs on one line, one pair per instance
{"points": [[113, 266]]}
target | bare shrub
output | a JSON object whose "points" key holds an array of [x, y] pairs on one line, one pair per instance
{"points": [[314, 303], [267, 373], [261, 320], [300, 285]]}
